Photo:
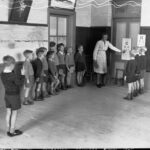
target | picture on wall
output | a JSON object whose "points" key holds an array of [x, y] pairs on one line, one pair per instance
{"points": [[126, 48], [20, 10], [66, 4]]}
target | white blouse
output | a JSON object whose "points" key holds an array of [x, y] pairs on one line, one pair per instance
{"points": [[101, 46]]}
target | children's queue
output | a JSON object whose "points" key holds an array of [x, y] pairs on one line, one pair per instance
{"points": [[134, 72], [46, 75]]}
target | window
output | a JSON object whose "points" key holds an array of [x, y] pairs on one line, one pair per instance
{"points": [[58, 29]]}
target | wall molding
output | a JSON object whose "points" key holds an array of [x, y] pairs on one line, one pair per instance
{"points": [[23, 24]]}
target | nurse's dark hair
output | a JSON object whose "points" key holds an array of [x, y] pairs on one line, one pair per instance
{"points": [[9, 59], [78, 46], [105, 33]]}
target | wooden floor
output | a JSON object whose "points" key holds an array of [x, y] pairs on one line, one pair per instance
{"points": [[81, 118]]}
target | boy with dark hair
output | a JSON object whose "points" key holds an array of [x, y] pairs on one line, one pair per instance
{"points": [[70, 64], [80, 64], [54, 81], [45, 73], [62, 65], [143, 68], [38, 68], [12, 83], [130, 75], [29, 78]]}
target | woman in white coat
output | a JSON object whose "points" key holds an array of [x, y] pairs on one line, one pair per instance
{"points": [[100, 59]]}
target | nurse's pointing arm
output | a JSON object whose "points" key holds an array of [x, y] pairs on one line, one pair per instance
{"points": [[113, 47]]}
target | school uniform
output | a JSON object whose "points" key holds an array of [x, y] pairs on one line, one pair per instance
{"points": [[38, 68], [143, 65], [69, 59], [80, 62], [12, 84], [130, 71], [52, 70], [45, 69], [29, 73], [61, 60], [138, 66]]}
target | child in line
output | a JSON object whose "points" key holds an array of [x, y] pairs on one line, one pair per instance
{"points": [[143, 68], [130, 75], [29, 78], [62, 65], [54, 81], [53, 48], [12, 83], [38, 68], [138, 63], [45, 73], [70, 64], [80, 64]]}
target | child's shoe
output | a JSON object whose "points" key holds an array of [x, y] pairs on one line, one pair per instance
{"points": [[129, 97]]}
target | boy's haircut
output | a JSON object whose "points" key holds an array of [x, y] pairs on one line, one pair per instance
{"points": [[50, 53], [27, 52], [52, 44], [39, 50], [44, 48], [59, 45], [79, 46], [9, 59]]}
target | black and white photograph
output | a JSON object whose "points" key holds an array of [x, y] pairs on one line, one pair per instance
{"points": [[74, 74]]}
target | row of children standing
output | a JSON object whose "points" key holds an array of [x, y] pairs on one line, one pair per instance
{"points": [[47, 74], [53, 71], [134, 72]]}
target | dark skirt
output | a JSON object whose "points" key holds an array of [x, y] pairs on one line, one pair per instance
{"points": [[63, 68], [131, 79], [80, 67], [13, 102]]}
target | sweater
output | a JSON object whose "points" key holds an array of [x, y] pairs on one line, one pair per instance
{"points": [[52, 67], [69, 60], [37, 67], [12, 82], [28, 69]]}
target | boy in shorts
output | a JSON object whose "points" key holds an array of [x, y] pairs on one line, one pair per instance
{"points": [[38, 68], [12, 83], [29, 78], [54, 81]]}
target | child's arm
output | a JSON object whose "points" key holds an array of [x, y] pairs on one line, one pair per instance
{"points": [[39, 69], [66, 62]]}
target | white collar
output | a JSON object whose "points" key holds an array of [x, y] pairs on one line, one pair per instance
{"points": [[61, 52]]}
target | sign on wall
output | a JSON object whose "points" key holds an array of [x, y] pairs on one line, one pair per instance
{"points": [[126, 48], [141, 40]]}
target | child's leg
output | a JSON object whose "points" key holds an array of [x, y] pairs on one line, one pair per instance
{"points": [[26, 95], [8, 119], [129, 95], [44, 89], [52, 88], [13, 120], [82, 77], [68, 78]]}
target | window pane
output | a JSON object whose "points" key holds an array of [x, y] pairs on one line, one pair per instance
{"points": [[53, 26], [62, 40], [121, 33], [134, 31], [62, 26], [53, 39]]}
